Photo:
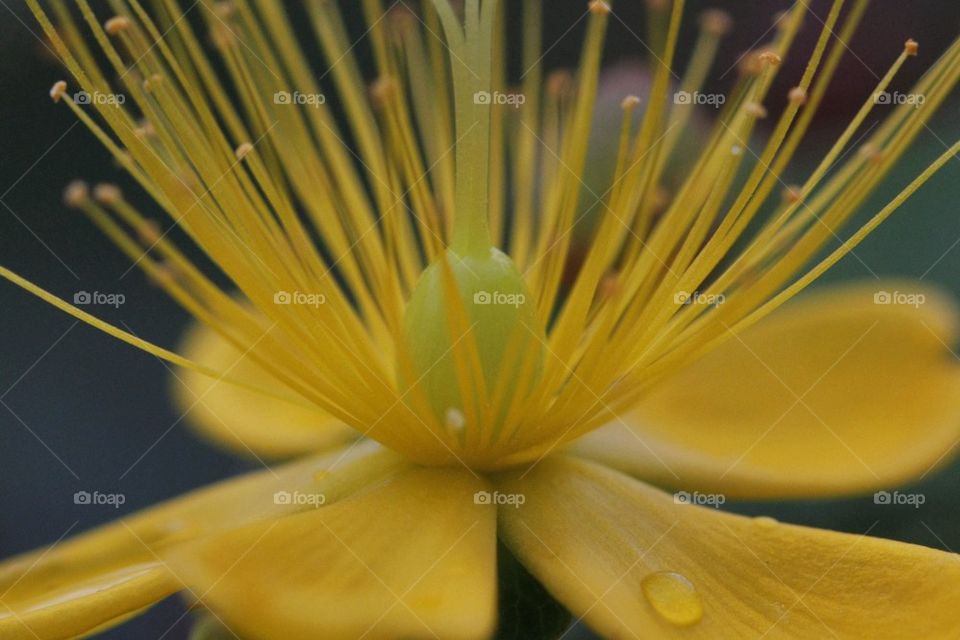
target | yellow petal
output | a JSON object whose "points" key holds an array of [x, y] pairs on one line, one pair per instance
{"points": [[635, 564], [244, 422], [834, 394], [414, 557], [46, 609], [101, 577]]}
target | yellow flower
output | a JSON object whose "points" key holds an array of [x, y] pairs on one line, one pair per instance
{"points": [[441, 394]]}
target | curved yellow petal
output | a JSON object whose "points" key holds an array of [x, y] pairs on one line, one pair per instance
{"points": [[243, 421], [834, 394], [635, 564], [50, 610], [101, 577], [414, 557]]}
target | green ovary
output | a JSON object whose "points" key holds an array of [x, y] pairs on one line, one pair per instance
{"points": [[504, 326]]}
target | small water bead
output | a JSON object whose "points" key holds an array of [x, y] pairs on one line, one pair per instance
{"points": [[454, 419], [674, 597]]}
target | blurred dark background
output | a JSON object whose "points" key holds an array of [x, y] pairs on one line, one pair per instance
{"points": [[78, 410]]}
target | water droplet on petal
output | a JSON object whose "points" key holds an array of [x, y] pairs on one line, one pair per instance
{"points": [[455, 419], [674, 597]]}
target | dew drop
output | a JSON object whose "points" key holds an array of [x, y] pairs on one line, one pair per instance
{"points": [[674, 597], [454, 419]]}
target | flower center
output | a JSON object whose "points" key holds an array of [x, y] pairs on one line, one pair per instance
{"points": [[476, 345]]}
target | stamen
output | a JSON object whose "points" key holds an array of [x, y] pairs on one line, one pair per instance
{"points": [[755, 109], [164, 275], [871, 151], [383, 90], [57, 90], [770, 58], [797, 95], [145, 131], [792, 193], [107, 194], [76, 194], [560, 84], [716, 22], [243, 150], [117, 24], [150, 233], [750, 64], [610, 286], [599, 7]]}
